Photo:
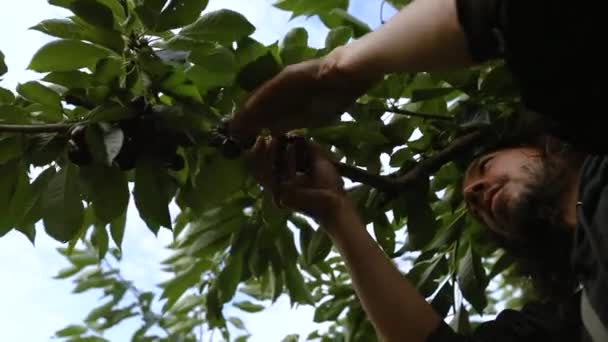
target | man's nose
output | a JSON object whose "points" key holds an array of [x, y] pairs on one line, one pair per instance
{"points": [[473, 193]]}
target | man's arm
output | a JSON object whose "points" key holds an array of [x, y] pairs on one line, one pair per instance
{"points": [[395, 308], [424, 35]]}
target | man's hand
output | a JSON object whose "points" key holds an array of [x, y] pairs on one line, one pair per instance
{"points": [[317, 191], [303, 95]]}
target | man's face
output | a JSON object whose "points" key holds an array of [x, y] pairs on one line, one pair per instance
{"points": [[496, 184]]}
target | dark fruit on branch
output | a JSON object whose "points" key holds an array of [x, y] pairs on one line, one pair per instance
{"points": [[79, 154]]}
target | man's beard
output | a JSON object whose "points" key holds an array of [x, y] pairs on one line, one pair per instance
{"points": [[537, 232]]}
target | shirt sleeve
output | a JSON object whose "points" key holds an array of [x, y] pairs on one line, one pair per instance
{"points": [[554, 50], [535, 322]]}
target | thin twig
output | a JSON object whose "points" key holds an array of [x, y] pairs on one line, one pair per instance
{"points": [[416, 114], [42, 128], [359, 175], [399, 181]]}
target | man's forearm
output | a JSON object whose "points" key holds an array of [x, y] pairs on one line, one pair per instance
{"points": [[397, 310], [423, 36]]}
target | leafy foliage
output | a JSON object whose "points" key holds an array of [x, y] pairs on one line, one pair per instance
{"points": [[135, 88]]}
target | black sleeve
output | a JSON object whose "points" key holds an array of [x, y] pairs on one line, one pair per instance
{"points": [[554, 48], [535, 322]]}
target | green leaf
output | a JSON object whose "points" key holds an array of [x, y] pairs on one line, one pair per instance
{"points": [[71, 330], [69, 79], [67, 272], [248, 306], [310, 7], [460, 323], [11, 147], [14, 115], [108, 70], [421, 224], [100, 240], [149, 11], [6, 96], [340, 17], [62, 208], [443, 300], [3, 67], [229, 277], [298, 291], [93, 12], [66, 55], [237, 323], [430, 93], [472, 280], [213, 67], [78, 29], [330, 310], [33, 207], [153, 191], [426, 273], [223, 26], [291, 338], [117, 229], [110, 112], [38, 93], [258, 72], [219, 179], [16, 196], [179, 13], [385, 234], [338, 36], [319, 247], [99, 312], [504, 262], [174, 288]]}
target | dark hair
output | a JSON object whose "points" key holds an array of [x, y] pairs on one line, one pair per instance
{"points": [[542, 253]]}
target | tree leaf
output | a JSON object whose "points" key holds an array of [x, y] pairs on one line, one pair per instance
{"points": [[310, 7], [443, 300], [179, 13], [93, 12], [421, 223], [153, 191], [69, 79], [319, 247], [38, 93], [71, 330], [117, 229], [230, 276], [6, 96], [174, 288], [223, 26], [330, 310], [248, 306], [338, 36], [460, 323], [14, 115], [108, 189], [3, 67], [62, 208], [340, 17], [298, 291], [385, 234], [67, 272], [100, 240], [237, 323], [258, 72], [219, 179], [66, 55], [472, 280], [213, 67]]}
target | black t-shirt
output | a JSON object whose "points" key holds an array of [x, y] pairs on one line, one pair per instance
{"points": [[553, 49]]}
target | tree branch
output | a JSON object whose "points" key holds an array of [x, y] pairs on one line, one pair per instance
{"points": [[399, 181], [416, 114], [43, 128], [359, 175], [426, 167]]}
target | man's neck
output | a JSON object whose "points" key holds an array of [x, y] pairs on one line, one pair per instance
{"points": [[570, 199]]}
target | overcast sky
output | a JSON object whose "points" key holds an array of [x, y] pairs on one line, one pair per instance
{"points": [[32, 305]]}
